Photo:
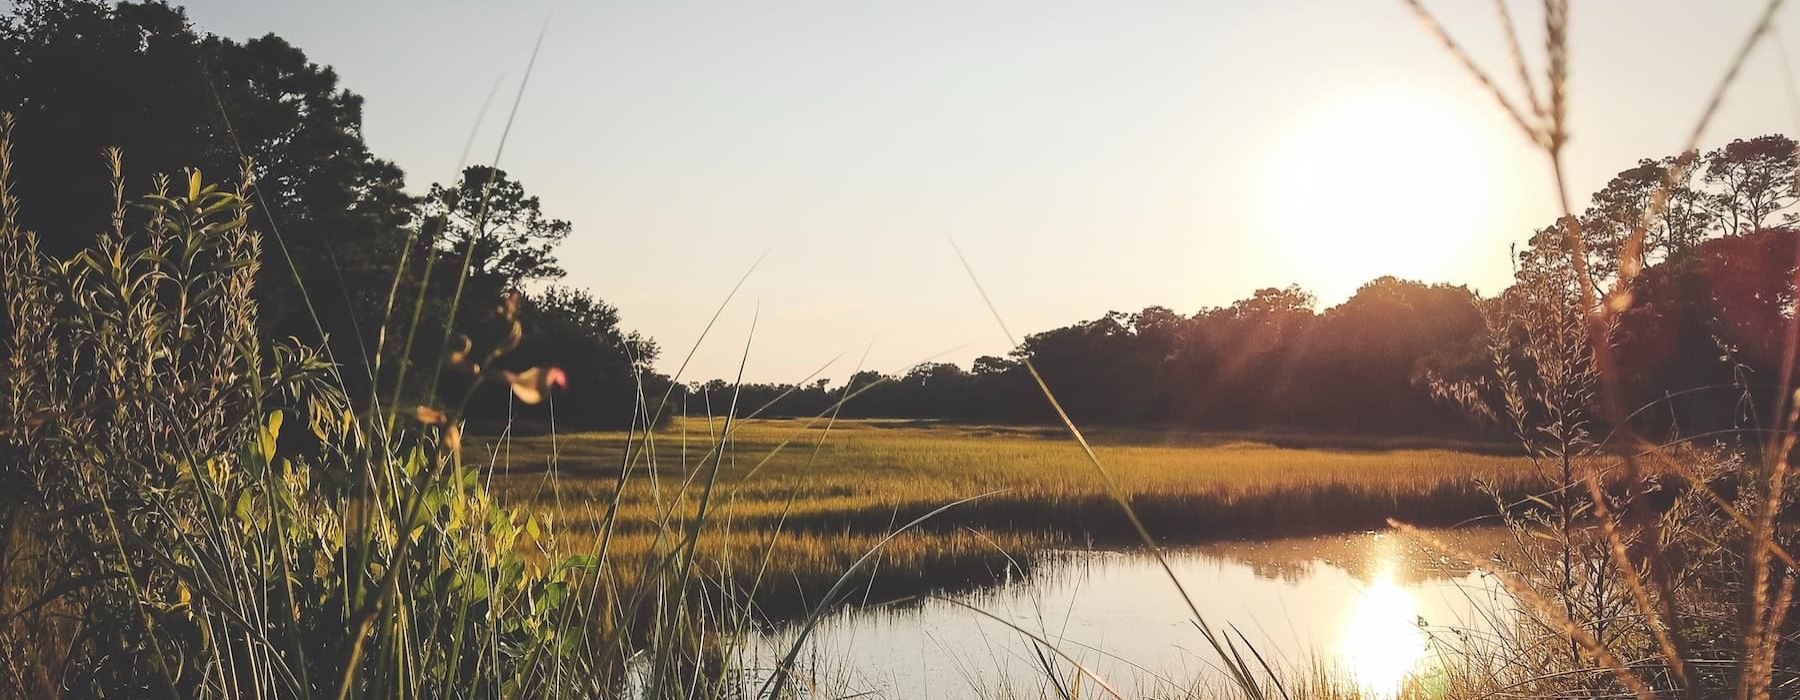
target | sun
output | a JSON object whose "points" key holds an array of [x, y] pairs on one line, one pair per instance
{"points": [[1380, 184]]}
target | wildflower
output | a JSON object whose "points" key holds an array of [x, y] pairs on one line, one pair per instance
{"points": [[531, 385]]}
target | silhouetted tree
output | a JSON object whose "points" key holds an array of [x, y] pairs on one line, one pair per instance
{"points": [[1630, 202], [1372, 351], [1701, 344], [514, 240], [1752, 181], [82, 76]]}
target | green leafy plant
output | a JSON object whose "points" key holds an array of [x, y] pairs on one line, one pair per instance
{"points": [[192, 512]]}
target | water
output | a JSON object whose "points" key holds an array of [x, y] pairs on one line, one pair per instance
{"points": [[1368, 604]]}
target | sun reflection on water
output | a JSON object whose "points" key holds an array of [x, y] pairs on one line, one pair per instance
{"points": [[1346, 605], [1382, 642]]}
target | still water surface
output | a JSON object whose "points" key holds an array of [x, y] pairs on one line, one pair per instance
{"points": [[1369, 604]]}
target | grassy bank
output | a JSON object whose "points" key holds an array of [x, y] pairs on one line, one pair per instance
{"points": [[827, 497]]}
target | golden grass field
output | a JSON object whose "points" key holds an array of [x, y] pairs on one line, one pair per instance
{"points": [[798, 504]]}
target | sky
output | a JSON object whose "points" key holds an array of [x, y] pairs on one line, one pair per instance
{"points": [[1085, 156]]}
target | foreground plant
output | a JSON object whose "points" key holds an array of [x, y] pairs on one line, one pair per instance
{"points": [[192, 512], [1684, 592]]}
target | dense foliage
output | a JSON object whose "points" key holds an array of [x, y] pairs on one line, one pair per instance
{"points": [[351, 254], [190, 511]]}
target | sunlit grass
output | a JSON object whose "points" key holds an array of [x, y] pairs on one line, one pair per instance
{"points": [[809, 516]]}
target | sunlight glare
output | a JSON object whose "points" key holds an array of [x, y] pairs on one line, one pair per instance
{"points": [[1382, 642], [1381, 184]]}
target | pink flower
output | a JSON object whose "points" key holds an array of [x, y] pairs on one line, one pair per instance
{"points": [[532, 385]]}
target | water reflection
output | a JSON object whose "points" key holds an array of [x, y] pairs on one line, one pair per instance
{"points": [[1365, 604], [1383, 642]]}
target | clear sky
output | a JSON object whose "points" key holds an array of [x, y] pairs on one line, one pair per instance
{"points": [[1087, 156]]}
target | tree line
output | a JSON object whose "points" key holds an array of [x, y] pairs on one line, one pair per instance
{"points": [[1698, 348], [357, 262]]}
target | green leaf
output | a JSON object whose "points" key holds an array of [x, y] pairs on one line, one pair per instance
{"points": [[267, 439], [242, 509], [554, 593]]}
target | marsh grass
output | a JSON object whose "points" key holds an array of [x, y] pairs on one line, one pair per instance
{"points": [[869, 476], [194, 512]]}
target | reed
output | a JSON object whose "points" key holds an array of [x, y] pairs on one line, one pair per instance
{"points": [[193, 511], [1687, 601], [870, 476]]}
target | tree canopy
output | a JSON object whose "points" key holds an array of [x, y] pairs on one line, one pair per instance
{"points": [[1699, 345], [85, 76], [81, 77]]}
